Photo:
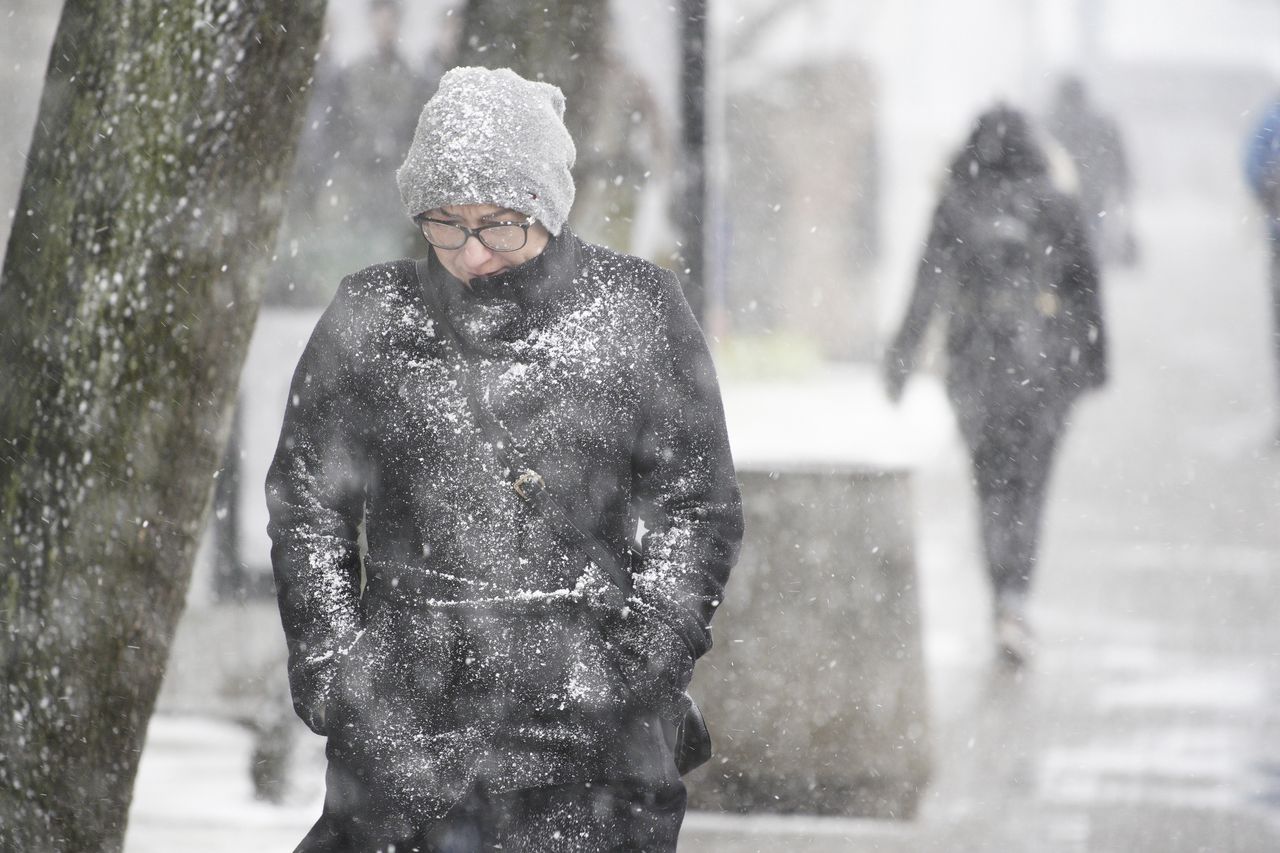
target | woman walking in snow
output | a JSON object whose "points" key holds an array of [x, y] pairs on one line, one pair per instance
{"points": [[1008, 266], [495, 420]]}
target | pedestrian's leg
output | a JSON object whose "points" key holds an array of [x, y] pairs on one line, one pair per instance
{"points": [[1005, 467], [1034, 462], [996, 508]]}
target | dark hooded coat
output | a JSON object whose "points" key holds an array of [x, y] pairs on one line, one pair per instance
{"points": [[484, 647], [1008, 266]]}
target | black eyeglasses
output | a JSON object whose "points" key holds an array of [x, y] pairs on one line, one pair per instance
{"points": [[499, 237]]}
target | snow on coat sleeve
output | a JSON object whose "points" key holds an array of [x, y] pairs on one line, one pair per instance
{"points": [[685, 483], [315, 497]]}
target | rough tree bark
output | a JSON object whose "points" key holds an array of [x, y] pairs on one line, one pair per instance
{"points": [[129, 291]]}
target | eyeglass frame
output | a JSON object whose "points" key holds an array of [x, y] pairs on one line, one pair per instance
{"points": [[422, 219]]}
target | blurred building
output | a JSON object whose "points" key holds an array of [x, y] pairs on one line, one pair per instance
{"points": [[800, 207]]}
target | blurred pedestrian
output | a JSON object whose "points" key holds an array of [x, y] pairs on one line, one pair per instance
{"points": [[1096, 147], [1262, 171], [1009, 268], [504, 667], [375, 129], [344, 210]]}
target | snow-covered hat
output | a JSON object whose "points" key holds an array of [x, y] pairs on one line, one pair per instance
{"points": [[491, 137]]}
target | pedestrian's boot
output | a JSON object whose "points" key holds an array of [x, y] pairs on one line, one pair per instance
{"points": [[1014, 641]]}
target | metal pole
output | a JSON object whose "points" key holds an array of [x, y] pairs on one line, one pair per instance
{"points": [[693, 98]]}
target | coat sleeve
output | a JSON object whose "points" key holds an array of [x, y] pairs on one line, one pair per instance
{"points": [[1082, 300], [315, 499], [935, 268], [684, 483]]}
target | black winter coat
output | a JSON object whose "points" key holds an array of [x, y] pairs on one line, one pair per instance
{"points": [[483, 645], [1009, 267]]}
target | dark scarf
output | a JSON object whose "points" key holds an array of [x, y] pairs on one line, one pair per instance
{"points": [[494, 312]]}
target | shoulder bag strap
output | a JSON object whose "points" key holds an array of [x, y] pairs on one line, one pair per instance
{"points": [[526, 481]]}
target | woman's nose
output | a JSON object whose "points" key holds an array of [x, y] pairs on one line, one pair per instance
{"points": [[475, 252]]}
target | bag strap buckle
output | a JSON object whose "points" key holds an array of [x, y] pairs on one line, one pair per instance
{"points": [[529, 484]]}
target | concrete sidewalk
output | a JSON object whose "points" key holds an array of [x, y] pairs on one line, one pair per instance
{"points": [[193, 794]]}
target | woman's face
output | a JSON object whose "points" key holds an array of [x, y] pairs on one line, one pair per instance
{"points": [[476, 260]]}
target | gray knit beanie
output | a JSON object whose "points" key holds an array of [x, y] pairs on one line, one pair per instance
{"points": [[491, 137]]}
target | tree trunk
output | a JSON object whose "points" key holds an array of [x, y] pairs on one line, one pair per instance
{"points": [[129, 291]]}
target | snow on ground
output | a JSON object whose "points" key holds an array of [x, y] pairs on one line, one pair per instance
{"points": [[193, 793]]}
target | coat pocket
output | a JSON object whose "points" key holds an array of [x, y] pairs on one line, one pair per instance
{"points": [[566, 668], [402, 735]]}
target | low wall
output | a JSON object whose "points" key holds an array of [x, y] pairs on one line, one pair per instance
{"points": [[815, 689]]}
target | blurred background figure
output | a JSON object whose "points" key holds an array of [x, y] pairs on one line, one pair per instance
{"points": [[344, 212], [1009, 267], [372, 128], [1262, 170], [1093, 141], [624, 163]]}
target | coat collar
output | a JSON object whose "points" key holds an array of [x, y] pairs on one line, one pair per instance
{"points": [[493, 312], [529, 285]]}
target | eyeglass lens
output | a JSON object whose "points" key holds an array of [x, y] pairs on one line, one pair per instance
{"points": [[499, 238]]}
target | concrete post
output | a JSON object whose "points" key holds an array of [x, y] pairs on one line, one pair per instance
{"points": [[815, 688]]}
